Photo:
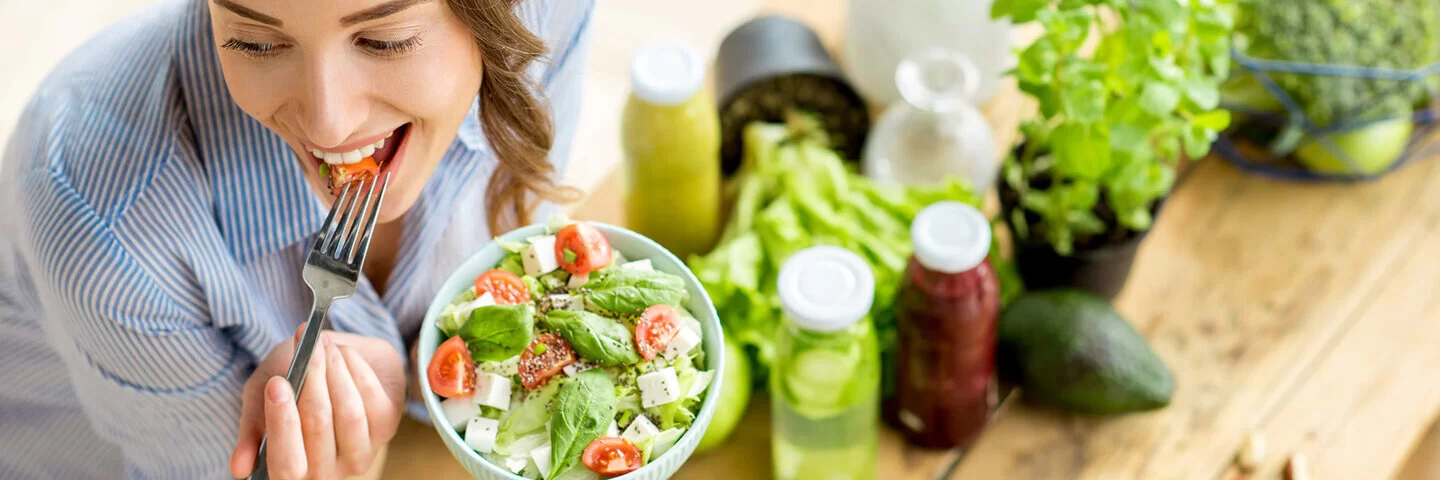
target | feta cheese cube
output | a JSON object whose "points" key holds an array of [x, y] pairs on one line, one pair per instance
{"points": [[639, 265], [541, 456], [613, 431], [480, 433], [659, 388], [484, 300], [692, 325], [458, 411], [516, 464], [577, 281], [575, 368], [539, 258], [681, 344], [492, 390], [561, 301], [639, 429]]}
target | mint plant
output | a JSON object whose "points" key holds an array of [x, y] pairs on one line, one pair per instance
{"points": [[1114, 123]]}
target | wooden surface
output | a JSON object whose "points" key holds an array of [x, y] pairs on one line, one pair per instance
{"points": [[1309, 312]]}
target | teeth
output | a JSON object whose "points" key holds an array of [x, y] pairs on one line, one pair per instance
{"points": [[350, 157]]}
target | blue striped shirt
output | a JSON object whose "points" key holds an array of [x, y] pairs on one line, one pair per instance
{"points": [[151, 241]]}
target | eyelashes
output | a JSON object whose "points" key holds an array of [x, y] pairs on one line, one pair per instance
{"points": [[378, 48], [387, 48], [254, 50]]}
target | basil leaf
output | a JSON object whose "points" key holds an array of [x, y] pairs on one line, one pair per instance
{"points": [[498, 332], [630, 292], [583, 411], [597, 339]]}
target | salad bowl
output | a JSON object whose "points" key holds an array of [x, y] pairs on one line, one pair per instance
{"points": [[626, 244]]}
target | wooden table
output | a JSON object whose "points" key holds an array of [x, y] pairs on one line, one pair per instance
{"points": [[1308, 312]]}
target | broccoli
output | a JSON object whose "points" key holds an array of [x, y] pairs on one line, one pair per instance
{"points": [[1396, 34]]}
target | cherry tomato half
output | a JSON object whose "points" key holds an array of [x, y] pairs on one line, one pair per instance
{"points": [[343, 174], [451, 371], [581, 249], [536, 369], [507, 288], [612, 456], [656, 327]]}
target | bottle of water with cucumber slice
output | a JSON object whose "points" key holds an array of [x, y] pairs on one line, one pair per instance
{"points": [[826, 375]]}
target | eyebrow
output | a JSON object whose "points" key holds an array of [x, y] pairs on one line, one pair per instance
{"points": [[241, 10], [379, 11], [374, 13]]}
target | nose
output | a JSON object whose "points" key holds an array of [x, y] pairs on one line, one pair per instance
{"points": [[331, 103]]}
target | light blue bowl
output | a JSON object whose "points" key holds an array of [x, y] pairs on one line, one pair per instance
{"points": [[633, 246]]}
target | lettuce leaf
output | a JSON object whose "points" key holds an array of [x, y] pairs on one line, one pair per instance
{"points": [[793, 193]]}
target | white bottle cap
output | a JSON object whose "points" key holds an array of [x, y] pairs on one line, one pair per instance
{"points": [[666, 73], [950, 237], [825, 289]]}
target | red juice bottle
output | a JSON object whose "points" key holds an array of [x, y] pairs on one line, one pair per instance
{"points": [[946, 320]]}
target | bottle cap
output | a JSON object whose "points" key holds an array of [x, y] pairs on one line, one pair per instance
{"points": [[666, 73], [950, 237], [826, 288]]}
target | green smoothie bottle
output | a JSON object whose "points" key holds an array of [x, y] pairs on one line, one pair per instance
{"points": [[825, 380], [671, 139]]}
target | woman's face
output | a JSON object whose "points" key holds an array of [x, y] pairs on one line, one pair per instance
{"points": [[340, 80]]}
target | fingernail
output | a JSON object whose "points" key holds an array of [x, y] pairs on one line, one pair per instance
{"points": [[326, 338], [277, 391]]}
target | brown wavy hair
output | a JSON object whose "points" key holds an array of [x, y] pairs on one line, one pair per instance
{"points": [[513, 113]]}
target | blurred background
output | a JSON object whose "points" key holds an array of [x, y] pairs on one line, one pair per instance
{"points": [[1287, 291]]}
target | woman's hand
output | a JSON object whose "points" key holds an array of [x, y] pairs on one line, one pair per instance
{"points": [[348, 409]]}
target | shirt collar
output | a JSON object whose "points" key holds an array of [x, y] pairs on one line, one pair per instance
{"points": [[262, 201]]}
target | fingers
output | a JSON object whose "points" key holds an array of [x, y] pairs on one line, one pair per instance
{"points": [[352, 431], [317, 417], [285, 449], [252, 427], [381, 411]]}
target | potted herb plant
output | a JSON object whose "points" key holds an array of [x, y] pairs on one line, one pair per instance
{"points": [[1115, 118]]}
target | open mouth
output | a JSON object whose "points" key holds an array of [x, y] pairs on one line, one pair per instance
{"points": [[362, 163]]}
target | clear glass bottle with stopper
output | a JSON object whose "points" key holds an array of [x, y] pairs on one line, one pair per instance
{"points": [[935, 132]]}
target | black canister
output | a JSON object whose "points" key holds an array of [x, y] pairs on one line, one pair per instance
{"points": [[773, 64]]}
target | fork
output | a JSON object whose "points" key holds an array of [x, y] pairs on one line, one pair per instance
{"points": [[332, 269]]}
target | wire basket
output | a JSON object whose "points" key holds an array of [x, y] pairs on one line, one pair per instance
{"points": [[1251, 141]]}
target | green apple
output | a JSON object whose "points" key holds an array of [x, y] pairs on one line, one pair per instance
{"points": [[734, 397], [1373, 148]]}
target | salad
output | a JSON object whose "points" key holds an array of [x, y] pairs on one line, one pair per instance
{"points": [[568, 361]]}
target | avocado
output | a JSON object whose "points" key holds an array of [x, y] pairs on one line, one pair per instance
{"points": [[1070, 349]]}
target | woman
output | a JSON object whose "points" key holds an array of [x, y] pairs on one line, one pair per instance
{"points": [[156, 199]]}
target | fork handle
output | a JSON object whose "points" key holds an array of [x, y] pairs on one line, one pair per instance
{"points": [[299, 364]]}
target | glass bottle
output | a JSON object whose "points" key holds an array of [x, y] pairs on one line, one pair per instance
{"points": [[936, 132], [946, 322], [825, 380], [670, 134], [879, 33]]}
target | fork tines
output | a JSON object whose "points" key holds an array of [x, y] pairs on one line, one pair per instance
{"points": [[347, 238]]}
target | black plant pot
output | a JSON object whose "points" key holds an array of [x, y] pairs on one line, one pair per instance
{"points": [[1102, 270]]}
